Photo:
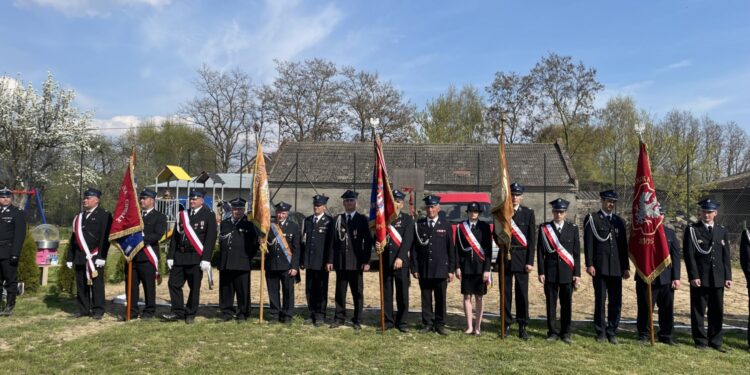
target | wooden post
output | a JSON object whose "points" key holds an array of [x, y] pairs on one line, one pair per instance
{"points": [[382, 294], [502, 293], [129, 284], [262, 278], [651, 313]]}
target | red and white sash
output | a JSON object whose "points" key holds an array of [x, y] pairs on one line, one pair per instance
{"points": [[190, 233], [473, 242], [517, 234], [554, 243], [151, 255], [78, 235], [395, 236]]}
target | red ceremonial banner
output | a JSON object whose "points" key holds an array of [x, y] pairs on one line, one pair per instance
{"points": [[382, 205], [648, 244]]}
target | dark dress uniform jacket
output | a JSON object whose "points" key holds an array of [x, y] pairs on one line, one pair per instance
{"points": [[12, 232], [745, 255], [554, 269], [356, 248], [154, 227], [609, 258], [438, 258], [238, 245], [526, 222], [672, 272], [276, 259], [316, 242], [180, 248], [96, 234], [468, 261], [713, 268], [405, 227]]}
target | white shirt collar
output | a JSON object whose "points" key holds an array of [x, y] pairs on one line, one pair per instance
{"points": [[318, 217], [558, 226], [195, 210]]}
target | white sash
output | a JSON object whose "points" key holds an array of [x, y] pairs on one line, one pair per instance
{"points": [[91, 272], [190, 233], [552, 243], [473, 242], [517, 234], [151, 255], [395, 236]]}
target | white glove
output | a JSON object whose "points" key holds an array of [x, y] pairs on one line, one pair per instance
{"points": [[205, 266], [69, 265], [99, 263], [170, 263]]}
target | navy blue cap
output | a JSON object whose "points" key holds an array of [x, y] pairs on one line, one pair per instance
{"points": [[282, 206], [320, 200], [350, 194], [431, 200], [194, 193], [516, 189], [91, 192], [709, 204], [559, 204], [473, 207], [609, 194], [238, 203], [5, 192], [148, 193], [398, 194]]}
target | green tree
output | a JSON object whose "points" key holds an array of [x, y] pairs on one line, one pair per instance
{"points": [[66, 278], [28, 271], [454, 117]]}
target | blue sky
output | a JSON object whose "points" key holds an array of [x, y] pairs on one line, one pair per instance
{"points": [[130, 60]]}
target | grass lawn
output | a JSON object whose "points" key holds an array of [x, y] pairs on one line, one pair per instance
{"points": [[40, 338]]}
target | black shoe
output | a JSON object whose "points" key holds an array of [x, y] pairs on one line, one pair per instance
{"points": [[309, 321], [522, 334], [241, 320], [668, 341], [426, 329], [336, 324], [441, 330], [79, 314], [701, 347], [189, 319], [719, 349], [643, 340], [226, 318], [566, 339], [171, 317], [97, 317], [552, 337], [612, 340], [286, 321], [600, 338], [357, 326], [7, 312], [402, 329], [147, 317], [318, 323]]}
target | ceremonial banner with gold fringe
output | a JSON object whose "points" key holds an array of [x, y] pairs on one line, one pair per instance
{"points": [[127, 224], [382, 205], [648, 246], [502, 204], [261, 207]]}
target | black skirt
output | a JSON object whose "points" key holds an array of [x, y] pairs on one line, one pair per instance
{"points": [[473, 284]]}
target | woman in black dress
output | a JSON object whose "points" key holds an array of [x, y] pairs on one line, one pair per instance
{"points": [[474, 248]]}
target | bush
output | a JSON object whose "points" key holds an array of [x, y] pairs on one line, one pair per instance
{"points": [[66, 278], [28, 270], [118, 274]]}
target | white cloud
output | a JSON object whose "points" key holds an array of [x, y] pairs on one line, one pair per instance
{"points": [[90, 8], [630, 89], [703, 104], [680, 64], [118, 125]]}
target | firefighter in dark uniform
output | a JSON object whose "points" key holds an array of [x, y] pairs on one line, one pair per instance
{"points": [[185, 262], [350, 257], [606, 252], [396, 266], [282, 264], [745, 264], [238, 245], [12, 235], [433, 261], [144, 271], [558, 246], [317, 234], [521, 263], [662, 294], [709, 269], [473, 264], [95, 226]]}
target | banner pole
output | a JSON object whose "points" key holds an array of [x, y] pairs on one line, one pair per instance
{"points": [[130, 283], [262, 277], [651, 313], [382, 295], [502, 294]]}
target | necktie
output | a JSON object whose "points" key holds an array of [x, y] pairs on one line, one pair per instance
{"points": [[710, 230], [432, 224], [315, 220], [348, 219], [473, 226]]}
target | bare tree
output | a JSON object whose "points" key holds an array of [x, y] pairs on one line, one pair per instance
{"points": [[365, 96], [306, 100], [566, 93], [514, 96], [735, 140], [224, 110]]}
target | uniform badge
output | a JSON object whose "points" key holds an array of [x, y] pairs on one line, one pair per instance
{"points": [[354, 233], [700, 242], [722, 243]]}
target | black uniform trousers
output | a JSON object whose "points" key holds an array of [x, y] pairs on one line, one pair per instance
{"points": [[607, 288], [436, 288], [522, 297], [661, 296], [191, 274], [354, 281], [143, 273], [9, 277], [565, 293], [280, 283], [401, 278], [316, 291], [713, 299], [90, 298], [234, 283]]}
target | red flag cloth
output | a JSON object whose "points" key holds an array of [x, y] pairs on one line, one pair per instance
{"points": [[502, 203], [648, 243], [382, 205], [126, 232]]}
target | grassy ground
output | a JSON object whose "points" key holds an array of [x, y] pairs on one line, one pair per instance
{"points": [[40, 338]]}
